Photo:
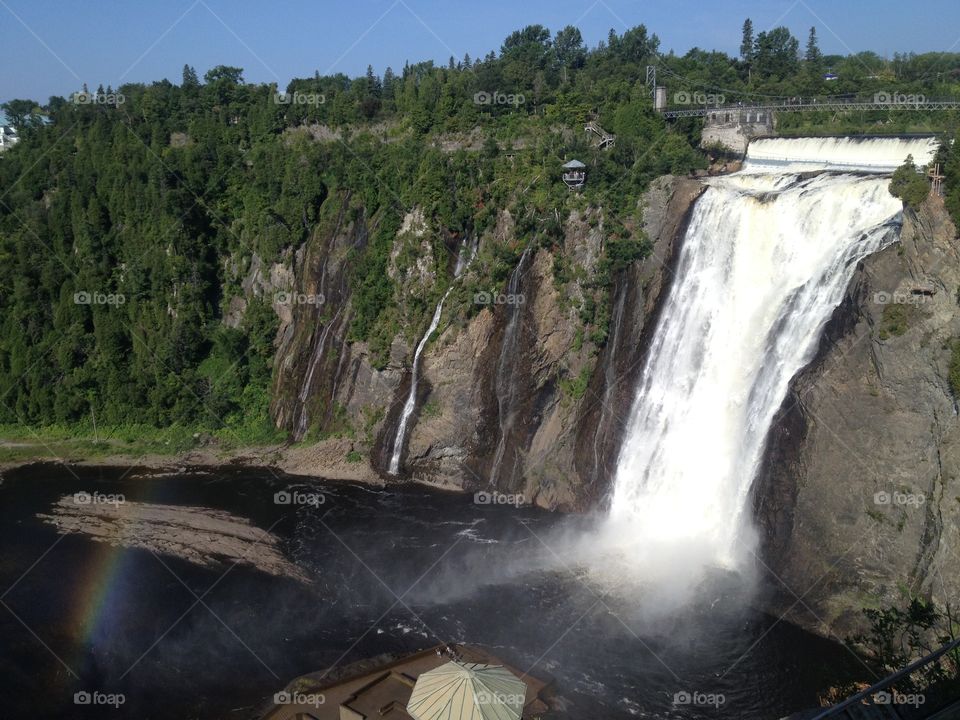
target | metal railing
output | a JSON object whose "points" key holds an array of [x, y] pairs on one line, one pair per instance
{"points": [[879, 698]]}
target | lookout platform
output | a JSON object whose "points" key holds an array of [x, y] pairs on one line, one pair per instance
{"points": [[372, 689]]}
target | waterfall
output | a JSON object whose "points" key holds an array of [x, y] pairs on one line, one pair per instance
{"points": [[463, 261], [411, 402], [867, 154], [505, 376], [464, 258], [767, 257]]}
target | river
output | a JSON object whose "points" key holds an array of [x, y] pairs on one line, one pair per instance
{"points": [[125, 621]]}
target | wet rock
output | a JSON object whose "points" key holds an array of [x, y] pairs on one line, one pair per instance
{"points": [[210, 538]]}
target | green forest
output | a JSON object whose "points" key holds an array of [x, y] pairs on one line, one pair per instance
{"points": [[123, 210]]}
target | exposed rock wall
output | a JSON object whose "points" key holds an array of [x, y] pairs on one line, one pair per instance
{"points": [[315, 316], [859, 502], [492, 412]]}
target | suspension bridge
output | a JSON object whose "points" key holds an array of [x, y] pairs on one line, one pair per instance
{"points": [[881, 101]]}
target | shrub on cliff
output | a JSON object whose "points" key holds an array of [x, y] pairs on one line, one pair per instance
{"points": [[949, 159], [908, 184], [899, 635], [954, 372]]}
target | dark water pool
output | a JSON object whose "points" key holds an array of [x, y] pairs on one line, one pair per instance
{"points": [[394, 570]]}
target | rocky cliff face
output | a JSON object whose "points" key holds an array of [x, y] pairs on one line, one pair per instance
{"points": [[314, 312], [511, 398], [859, 502]]}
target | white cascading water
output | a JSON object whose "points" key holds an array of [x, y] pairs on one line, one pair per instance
{"points": [[767, 256], [867, 154], [464, 259], [411, 402]]}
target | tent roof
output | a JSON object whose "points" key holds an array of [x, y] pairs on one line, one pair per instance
{"points": [[467, 691], [574, 164]]}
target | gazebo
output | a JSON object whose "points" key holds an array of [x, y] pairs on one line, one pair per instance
{"points": [[467, 691], [574, 174]]}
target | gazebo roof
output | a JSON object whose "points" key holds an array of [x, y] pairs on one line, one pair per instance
{"points": [[574, 165], [467, 691]]}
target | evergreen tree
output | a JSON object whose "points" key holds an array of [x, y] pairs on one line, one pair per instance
{"points": [[190, 78], [370, 100], [813, 56], [746, 42], [388, 85]]}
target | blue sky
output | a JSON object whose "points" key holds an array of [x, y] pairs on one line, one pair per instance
{"points": [[52, 46]]}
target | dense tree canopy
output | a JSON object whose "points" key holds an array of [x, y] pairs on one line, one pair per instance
{"points": [[129, 217]]}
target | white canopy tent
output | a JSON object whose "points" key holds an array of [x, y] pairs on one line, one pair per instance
{"points": [[467, 691]]}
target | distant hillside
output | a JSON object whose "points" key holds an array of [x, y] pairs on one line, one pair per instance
{"points": [[133, 220]]}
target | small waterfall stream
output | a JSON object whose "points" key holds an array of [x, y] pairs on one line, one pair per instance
{"points": [[463, 262]]}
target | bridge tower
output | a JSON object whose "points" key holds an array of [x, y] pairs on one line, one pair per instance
{"points": [[657, 92]]}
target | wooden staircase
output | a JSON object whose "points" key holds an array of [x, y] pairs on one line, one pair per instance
{"points": [[606, 139]]}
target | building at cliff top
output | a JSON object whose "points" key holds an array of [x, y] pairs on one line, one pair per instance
{"points": [[732, 129], [462, 682]]}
